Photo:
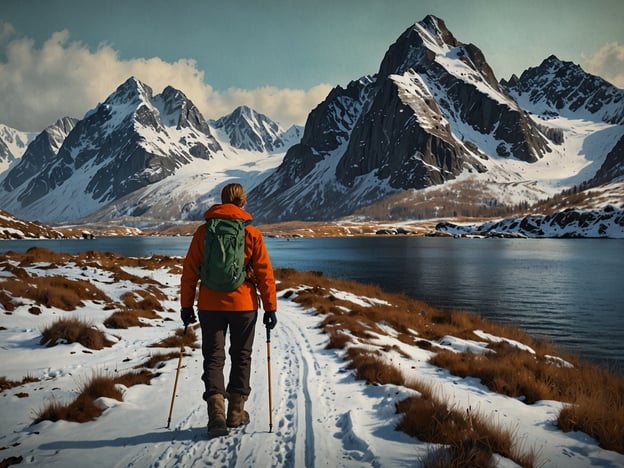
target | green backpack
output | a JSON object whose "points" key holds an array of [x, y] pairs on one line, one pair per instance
{"points": [[224, 254]]}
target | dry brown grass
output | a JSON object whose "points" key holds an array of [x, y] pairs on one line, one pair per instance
{"points": [[11, 461], [74, 330], [52, 291], [84, 408], [124, 319], [470, 439], [149, 301], [105, 260], [180, 339], [372, 368], [157, 359], [595, 395], [6, 384], [135, 309], [596, 407]]}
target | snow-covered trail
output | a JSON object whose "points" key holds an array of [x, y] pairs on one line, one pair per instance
{"points": [[322, 415], [313, 398]]}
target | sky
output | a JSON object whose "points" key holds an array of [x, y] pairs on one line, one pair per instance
{"points": [[280, 57]]}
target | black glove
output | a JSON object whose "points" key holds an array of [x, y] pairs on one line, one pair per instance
{"points": [[270, 319], [188, 315]]}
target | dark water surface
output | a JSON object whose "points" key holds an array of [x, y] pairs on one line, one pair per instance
{"points": [[570, 291]]}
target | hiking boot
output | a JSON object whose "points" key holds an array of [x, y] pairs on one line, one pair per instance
{"points": [[236, 415], [216, 416]]}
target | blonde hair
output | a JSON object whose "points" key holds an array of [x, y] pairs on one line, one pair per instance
{"points": [[234, 194]]}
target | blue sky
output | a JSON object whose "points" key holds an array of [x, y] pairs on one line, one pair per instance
{"points": [[61, 57]]}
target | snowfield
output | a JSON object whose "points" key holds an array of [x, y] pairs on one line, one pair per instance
{"points": [[322, 415]]}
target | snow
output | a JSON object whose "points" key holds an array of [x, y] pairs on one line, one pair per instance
{"points": [[322, 415], [16, 142], [449, 58]]}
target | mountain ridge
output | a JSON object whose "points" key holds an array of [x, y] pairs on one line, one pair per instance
{"points": [[433, 116], [462, 122]]}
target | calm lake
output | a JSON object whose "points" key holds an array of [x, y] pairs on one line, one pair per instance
{"points": [[567, 290]]}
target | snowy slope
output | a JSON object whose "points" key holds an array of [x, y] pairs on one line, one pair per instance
{"points": [[193, 189], [143, 156], [322, 415], [435, 115], [607, 223], [13, 143]]}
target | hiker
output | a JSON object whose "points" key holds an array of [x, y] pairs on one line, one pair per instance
{"points": [[220, 309]]}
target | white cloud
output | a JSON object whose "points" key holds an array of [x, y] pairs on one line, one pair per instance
{"points": [[6, 31], [63, 78], [608, 63]]}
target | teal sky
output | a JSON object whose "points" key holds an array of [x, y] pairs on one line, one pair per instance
{"points": [[245, 45]]}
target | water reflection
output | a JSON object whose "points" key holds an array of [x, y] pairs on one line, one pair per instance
{"points": [[568, 290]]}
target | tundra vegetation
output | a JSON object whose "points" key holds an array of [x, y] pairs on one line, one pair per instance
{"points": [[533, 371]]}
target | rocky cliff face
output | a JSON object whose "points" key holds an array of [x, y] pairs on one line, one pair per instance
{"points": [[13, 143], [562, 88], [410, 126], [613, 167], [607, 223], [40, 152]]}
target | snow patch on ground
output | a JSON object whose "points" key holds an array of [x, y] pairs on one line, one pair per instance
{"points": [[322, 415]]}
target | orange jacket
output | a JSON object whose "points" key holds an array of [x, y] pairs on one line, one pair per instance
{"points": [[244, 298]]}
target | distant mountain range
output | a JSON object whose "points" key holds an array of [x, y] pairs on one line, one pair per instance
{"points": [[135, 142], [434, 115]]}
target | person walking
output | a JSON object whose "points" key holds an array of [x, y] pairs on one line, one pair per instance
{"points": [[220, 310]]}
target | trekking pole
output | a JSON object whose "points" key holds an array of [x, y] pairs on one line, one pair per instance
{"points": [[268, 343], [175, 385]]}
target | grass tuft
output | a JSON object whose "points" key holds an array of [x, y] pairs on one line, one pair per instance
{"points": [[74, 330], [6, 384], [84, 408], [180, 339], [372, 368], [595, 396]]}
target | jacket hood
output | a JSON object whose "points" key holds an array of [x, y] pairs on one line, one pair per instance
{"points": [[228, 211]]}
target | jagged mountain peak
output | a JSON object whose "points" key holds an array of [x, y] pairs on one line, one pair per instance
{"points": [[558, 87], [428, 46], [13, 144], [432, 27], [245, 111], [421, 122], [131, 90], [125, 146], [41, 151], [248, 129], [177, 110]]}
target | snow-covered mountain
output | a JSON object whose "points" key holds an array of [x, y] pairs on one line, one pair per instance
{"points": [[435, 114], [249, 130], [606, 223], [41, 152], [110, 163], [13, 143], [558, 88]]}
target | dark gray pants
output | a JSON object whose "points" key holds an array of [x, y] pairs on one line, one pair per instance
{"points": [[214, 326]]}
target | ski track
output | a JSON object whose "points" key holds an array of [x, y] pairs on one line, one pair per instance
{"points": [[298, 439]]}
